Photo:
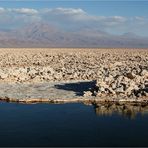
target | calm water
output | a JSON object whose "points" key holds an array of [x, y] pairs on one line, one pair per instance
{"points": [[68, 125]]}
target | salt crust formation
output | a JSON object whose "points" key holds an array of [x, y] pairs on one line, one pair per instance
{"points": [[119, 73]]}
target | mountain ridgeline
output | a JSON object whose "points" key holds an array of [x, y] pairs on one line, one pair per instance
{"points": [[45, 35]]}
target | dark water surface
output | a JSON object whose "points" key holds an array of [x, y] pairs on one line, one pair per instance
{"points": [[68, 125]]}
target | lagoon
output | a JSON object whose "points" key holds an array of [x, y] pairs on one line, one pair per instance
{"points": [[72, 124]]}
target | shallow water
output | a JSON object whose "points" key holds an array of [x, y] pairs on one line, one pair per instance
{"points": [[68, 125]]}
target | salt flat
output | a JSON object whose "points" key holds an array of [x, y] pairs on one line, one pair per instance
{"points": [[117, 73]]}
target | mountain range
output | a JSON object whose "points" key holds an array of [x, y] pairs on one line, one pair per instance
{"points": [[45, 35]]}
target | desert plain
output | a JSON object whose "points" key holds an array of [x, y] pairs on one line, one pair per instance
{"points": [[59, 75]]}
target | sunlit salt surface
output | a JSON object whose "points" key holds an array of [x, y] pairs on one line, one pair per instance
{"points": [[72, 125]]}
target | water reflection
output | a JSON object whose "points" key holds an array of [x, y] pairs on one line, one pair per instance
{"points": [[129, 110]]}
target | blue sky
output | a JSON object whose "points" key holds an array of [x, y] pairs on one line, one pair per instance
{"points": [[126, 8], [116, 17]]}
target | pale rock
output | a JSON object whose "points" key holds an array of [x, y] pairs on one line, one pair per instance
{"points": [[111, 90], [23, 78], [119, 90], [128, 91], [32, 72], [58, 76], [113, 85], [102, 89], [36, 79], [15, 73], [3, 75], [22, 70], [87, 94]]}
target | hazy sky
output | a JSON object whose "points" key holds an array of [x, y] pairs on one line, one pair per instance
{"points": [[116, 17]]}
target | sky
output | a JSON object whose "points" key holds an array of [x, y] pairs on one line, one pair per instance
{"points": [[115, 17]]}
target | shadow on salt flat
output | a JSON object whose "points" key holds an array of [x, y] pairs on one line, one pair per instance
{"points": [[78, 87]]}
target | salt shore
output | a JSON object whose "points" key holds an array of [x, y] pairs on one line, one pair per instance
{"points": [[73, 75]]}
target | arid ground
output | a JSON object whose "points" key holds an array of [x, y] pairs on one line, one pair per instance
{"points": [[73, 75]]}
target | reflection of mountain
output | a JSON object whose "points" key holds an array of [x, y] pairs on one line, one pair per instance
{"points": [[129, 110], [45, 35]]}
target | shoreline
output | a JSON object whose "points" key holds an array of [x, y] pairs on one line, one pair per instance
{"points": [[73, 100]]}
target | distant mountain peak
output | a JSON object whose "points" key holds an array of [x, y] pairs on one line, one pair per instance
{"points": [[47, 35]]}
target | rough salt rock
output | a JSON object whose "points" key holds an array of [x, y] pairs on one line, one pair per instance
{"points": [[3, 75], [87, 94], [144, 73], [32, 72], [23, 78], [125, 84], [111, 90], [119, 90]]}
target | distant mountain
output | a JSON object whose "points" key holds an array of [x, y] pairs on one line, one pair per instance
{"points": [[45, 35]]}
